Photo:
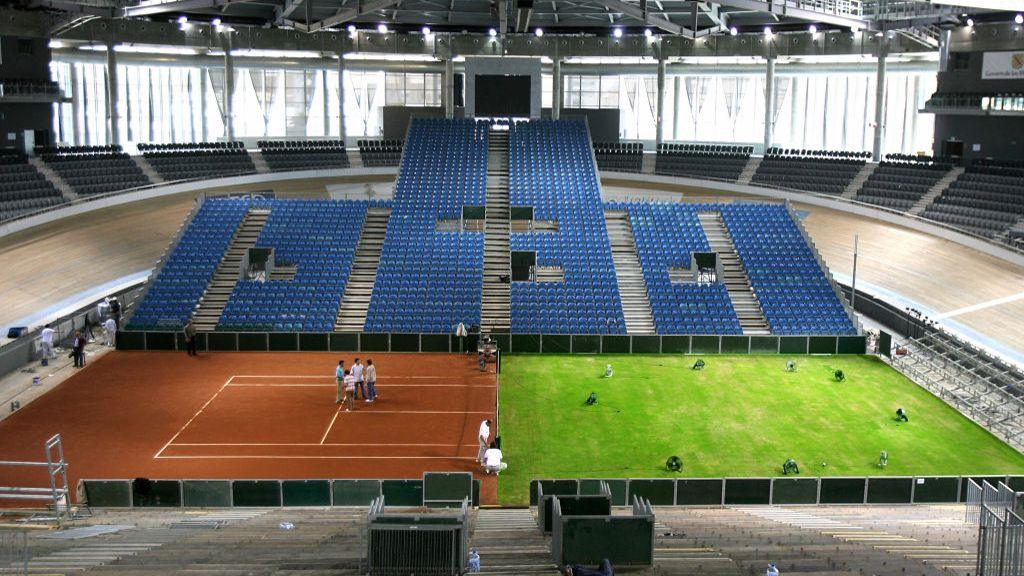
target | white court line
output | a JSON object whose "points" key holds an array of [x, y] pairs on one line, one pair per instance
{"points": [[378, 385], [329, 377], [370, 411], [320, 457], [194, 416], [980, 306], [313, 444], [331, 425]]}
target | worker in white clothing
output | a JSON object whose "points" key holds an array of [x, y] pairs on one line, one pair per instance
{"points": [[483, 437], [109, 332], [492, 460], [46, 342]]}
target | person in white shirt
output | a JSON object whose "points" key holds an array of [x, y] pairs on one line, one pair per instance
{"points": [[772, 570], [46, 342], [483, 437], [492, 460], [109, 332], [370, 374], [357, 373]]}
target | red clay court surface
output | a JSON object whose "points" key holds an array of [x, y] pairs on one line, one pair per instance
{"points": [[164, 415]]}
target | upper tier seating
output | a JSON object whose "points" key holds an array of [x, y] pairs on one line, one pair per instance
{"points": [[821, 171], [22, 188], [380, 153], [551, 168], [987, 199], [94, 169], [29, 87], [995, 101], [796, 297], [666, 235], [429, 281], [198, 160], [175, 292], [718, 161], [619, 156], [283, 156], [319, 238], [899, 182]]}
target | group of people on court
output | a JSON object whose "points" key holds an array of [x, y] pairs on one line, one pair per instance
{"points": [[358, 379]]}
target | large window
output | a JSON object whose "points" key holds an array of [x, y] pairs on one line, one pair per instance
{"points": [[408, 89]]}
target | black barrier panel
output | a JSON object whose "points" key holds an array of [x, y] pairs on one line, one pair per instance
{"points": [[449, 486], [344, 342], [283, 342], [574, 506], [618, 487], [661, 492], [502, 340], [705, 345], [306, 492], [156, 493], [672, 344], [1016, 483], [253, 493], [822, 345], [556, 344], [699, 492], [373, 342], [525, 343], [206, 493], [554, 488], [615, 345], [852, 345], [794, 491], [936, 489], [735, 344], [354, 492], [476, 493], [249, 342], [435, 343], [792, 345], [470, 342], [405, 342], [402, 492], [748, 490], [586, 344], [159, 340], [842, 491], [222, 342], [131, 340], [992, 480], [648, 344], [625, 541], [764, 345], [310, 342], [108, 493], [890, 490]]}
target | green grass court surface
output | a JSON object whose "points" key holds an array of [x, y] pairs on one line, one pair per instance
{"points": [[740, 416]]}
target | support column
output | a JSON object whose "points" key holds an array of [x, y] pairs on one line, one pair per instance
{"points": [[229, 89], [660, 120], [203, 74], [76, 128], [677, 119], [876, 150], [769, 103], [113, 108], [944, 38], [341, 96], [556, 90], [449, 88]]}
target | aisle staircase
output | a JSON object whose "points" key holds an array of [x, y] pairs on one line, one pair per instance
{"points": [[636, 306], [495, 310], [935, 191], [858, 181], [147, 169], [510, 543], [359, 288], [734, 275], [229, 271], [59, 183], [259, 162], [747, 175]]}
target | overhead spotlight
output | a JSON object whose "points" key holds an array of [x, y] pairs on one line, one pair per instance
{"points": [[382, 28], [812, 29], [492, 32], [183, 23], [425, 30], [539, 32], [970, 22], [733, 31], [768, 31], [1019, 18], [617, 32], [351, 29], [217, 25], [854, 30], [648, 33]]}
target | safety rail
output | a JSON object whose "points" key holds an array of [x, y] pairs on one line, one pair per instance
{"points": [[1000, 543], [57, 475]]}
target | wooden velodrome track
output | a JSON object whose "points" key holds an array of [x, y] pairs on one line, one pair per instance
{"points": [[46, 264]]}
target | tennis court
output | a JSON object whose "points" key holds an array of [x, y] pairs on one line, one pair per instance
{"points": [[258, 416]]}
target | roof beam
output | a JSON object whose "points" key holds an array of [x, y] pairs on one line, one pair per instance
{"points": [[361, 8], [289, 7], [641, 15], [75, 7], [790, 8], [148, 8]]}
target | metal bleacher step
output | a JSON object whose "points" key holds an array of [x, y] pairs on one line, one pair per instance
{"points": [[734, 275], [355, 302], [495, 312], [509, 541], [636, 305]]}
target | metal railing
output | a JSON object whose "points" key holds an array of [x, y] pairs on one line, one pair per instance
{"points": [[1000, 543], [56, 493], [423, 544]]}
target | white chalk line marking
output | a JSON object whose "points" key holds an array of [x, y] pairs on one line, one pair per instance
{"points": [[314, 444], [980, 306], [331, 425], [404, 457], [194, 416]]}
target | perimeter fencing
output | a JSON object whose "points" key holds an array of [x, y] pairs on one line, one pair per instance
{"points": [[1000, 543], [998, 498], [400, 543]]}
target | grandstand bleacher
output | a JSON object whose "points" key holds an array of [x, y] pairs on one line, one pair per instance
{"points": [[283, 156], [380, 153], [93, 169], [619, 156], [987, 199], [820, 171], [22, 188], [900, 182], [718, 161], [198, 160]]}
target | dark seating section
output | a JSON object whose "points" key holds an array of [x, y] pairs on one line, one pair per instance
{"points": [[901, 180], [718, 161], [25, 87], [283, 156], [198, 160], [821, 171], [93, 169], [989, 101], [379, 153], [22, 188], [987, 199], [619, 156]]}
